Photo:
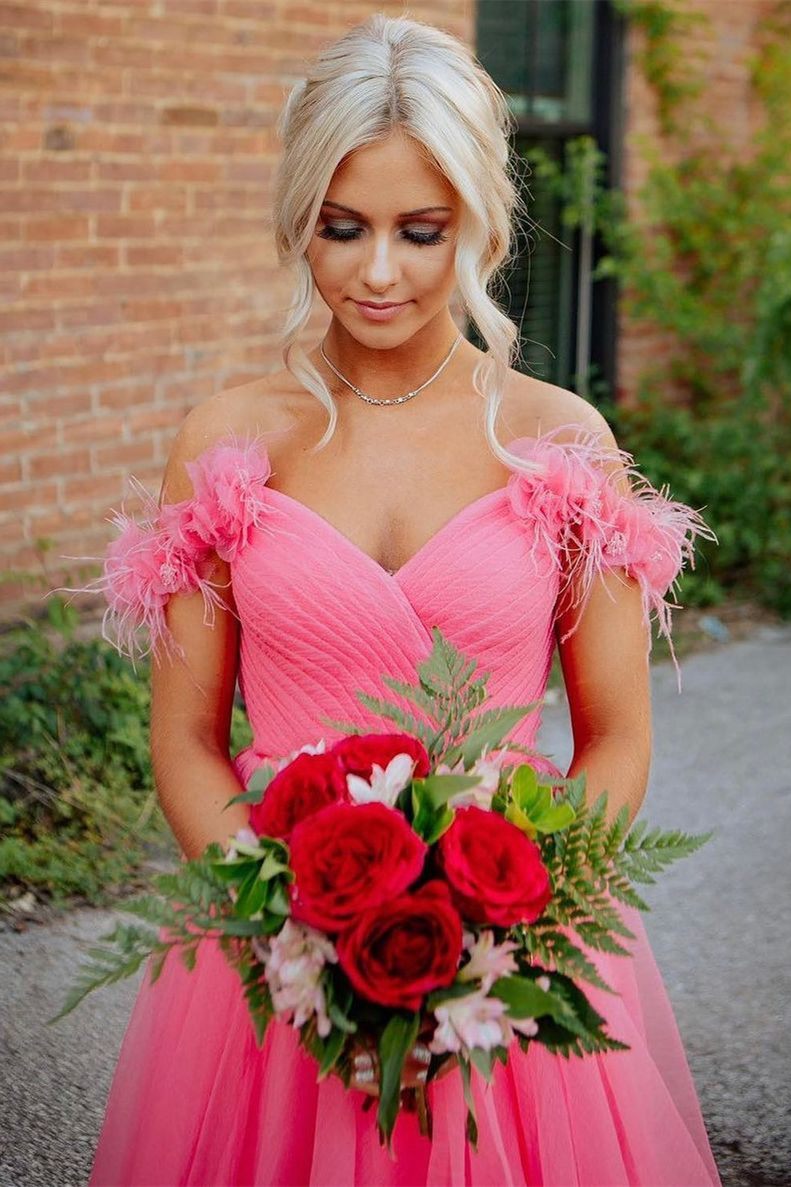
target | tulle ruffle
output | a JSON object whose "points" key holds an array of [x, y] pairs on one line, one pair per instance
{"points": [[589, 524], [195, 1102]]}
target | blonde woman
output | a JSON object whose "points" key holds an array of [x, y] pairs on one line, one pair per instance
{"points": [[313, 526]]}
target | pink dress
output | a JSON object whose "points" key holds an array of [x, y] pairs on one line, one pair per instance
{"points": [[194, 1100]]}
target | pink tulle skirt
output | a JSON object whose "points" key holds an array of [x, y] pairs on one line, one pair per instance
{"points": [[196, 1101]]}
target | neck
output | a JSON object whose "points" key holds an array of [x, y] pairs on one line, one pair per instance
{"points": [[388, 372]]}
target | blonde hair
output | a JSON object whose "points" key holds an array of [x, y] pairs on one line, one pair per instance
{"points": [[396, 72]]}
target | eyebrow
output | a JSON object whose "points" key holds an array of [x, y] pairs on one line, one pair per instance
{"points": [[406, 214]]}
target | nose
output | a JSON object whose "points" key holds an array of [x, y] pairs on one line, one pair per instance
{"points": [[380, 270]]}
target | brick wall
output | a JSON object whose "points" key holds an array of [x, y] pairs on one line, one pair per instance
{"points": [[716, 48], [137, 270]]}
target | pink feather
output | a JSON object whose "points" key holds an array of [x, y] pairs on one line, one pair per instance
{"points": [[589, 526], [160, 554]]}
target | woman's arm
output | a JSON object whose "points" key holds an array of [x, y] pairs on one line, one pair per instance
{"points": [[606, 672], [192, 694]]}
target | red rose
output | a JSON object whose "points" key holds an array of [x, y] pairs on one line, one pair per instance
{"points": [[358, 752], [309, 782], [398, 952], [349, 857], [495, 871]]}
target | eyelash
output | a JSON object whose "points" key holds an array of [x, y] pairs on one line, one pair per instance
{"points": [[338, 235]]}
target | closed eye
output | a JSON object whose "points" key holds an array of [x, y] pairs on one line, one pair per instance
{"points": [[344, 234]]}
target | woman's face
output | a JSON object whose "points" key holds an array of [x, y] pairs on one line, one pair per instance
{"points": [[383, 250]]}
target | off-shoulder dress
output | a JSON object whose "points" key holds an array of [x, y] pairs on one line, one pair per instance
{"points": [[193, 1099]]}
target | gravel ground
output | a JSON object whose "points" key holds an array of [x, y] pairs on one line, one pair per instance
{"points": [[722, 757]]}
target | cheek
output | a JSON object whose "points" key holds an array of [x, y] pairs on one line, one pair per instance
{"points": [[329, 265], [438, 271]]}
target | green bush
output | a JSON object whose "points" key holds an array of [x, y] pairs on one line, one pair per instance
{"points": [[732, 465], [78, 809]]}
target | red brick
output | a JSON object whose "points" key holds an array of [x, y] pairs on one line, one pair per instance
{"points": [[16, 499], [49, 170], [41, 230], [60, 464], [124, 455], [90, 24], [23, 320], [86, 256], [54, 287], [107, 488], [11, 230], [122, 226], [10, 469], [92, 430], [60, 404]]}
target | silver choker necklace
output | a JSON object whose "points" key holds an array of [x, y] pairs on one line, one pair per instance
{"points": [[396, 399]]}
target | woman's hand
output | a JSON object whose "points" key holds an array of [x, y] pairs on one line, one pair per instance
{"points": [[413, 1073]]}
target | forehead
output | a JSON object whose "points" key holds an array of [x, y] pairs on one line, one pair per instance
{"points": [[390, 176]]}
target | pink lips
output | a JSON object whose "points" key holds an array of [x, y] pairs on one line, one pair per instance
{"points": [[374, 311]]}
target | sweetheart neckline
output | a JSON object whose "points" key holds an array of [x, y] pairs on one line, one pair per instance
{"points": [[393, 575]]}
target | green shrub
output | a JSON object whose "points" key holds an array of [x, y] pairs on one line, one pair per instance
{"points": [[732, 465], [78, 809]]}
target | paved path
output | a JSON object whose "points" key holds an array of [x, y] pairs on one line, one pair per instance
{"points": [[719, 925]]}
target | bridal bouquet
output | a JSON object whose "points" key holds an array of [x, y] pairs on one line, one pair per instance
{"points": [[409, 885]]}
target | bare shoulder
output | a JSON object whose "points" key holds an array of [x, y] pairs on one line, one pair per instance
{"points": [[247, 410], [533, 407]]}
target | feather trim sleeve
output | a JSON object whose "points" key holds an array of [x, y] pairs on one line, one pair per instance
{"points": [[590, 525], [163, 551]]}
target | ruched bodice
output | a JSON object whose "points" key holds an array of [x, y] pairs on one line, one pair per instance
{"points": [[320, 619]]}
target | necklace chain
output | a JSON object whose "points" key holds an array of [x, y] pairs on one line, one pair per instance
{"points": [[397, 399]]}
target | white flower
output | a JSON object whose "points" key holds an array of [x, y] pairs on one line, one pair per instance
{"points": [[528, 1026], [386, 783], [309, 748], [262, 946], [543, 983], [293, 965], [244, 836], [480, 794], [488, 960], [472, 1021]]}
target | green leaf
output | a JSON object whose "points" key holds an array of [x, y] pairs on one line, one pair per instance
{"points": [[430, 824], [332, 1047], [261, 778], [252, 895], [556, 818], [450, 993], [251, 796], [489, 735], [189, 956], [472, 1120], [526, 791], [523, 997], [272, 866], [484, 1061], [397, 1038], [436, 790], [126, 947]]}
